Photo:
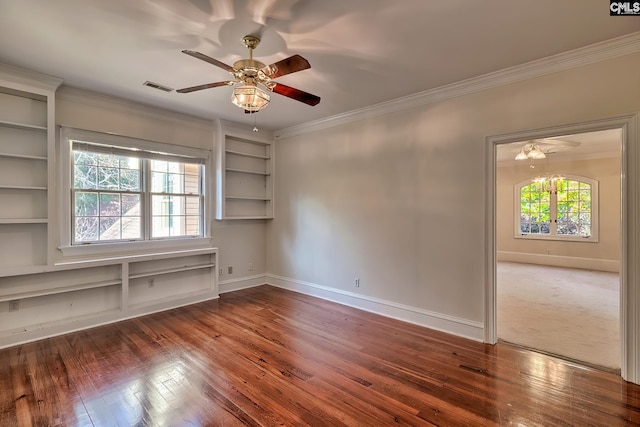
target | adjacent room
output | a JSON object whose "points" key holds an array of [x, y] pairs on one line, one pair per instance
{"points": [[297, 212], [558, 245]]}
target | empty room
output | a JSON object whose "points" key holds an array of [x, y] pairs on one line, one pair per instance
{"points": [[323, 213]]}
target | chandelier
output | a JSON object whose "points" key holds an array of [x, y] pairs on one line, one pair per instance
{"points": [[549, 182]]}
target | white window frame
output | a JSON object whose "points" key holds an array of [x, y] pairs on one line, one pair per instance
{"points": [[595, 208], [163, 151]]}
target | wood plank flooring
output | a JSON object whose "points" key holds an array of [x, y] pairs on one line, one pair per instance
{"points": [[266, 356]]}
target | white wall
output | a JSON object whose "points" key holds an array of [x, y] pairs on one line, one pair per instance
{"points": [[239, 243], [398, 200], [603, 255]]}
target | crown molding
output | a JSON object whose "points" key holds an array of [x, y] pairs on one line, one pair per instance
{"points": [[22, 77], [597, 52]]}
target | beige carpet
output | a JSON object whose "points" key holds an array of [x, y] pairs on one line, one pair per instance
{"points": [[569, 312]]}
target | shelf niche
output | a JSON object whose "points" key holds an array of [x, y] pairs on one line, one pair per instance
{"points": [[27, 144], [244, 164]]}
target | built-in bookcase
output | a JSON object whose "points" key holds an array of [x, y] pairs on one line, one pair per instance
{"points": [[42, 294], [26, 169], [245, 174], [80, 294]]}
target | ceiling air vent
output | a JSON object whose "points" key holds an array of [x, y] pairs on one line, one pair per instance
{"points": [[157, 86]]}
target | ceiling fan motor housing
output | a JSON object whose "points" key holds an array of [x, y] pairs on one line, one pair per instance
{"points": [[250, 67]]}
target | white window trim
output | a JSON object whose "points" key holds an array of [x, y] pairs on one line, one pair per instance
{"points": [[67, 134], [595, 208]]}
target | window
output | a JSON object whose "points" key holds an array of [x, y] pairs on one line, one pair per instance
{"points": [[107, 197], [557, 207], [176, 199], [128, 190]]}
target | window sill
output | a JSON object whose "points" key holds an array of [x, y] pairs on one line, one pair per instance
{"points": [[101, 250], [577, 239]]}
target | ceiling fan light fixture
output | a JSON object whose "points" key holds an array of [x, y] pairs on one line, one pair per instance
{"points": [[536, 153], [522, 155], [250, 98], [530, 151]]}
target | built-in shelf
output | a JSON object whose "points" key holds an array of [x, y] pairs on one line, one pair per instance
{"points": [[171, 270], [244, 163], [45, 300], [22, 270], [23, 220], [248, 217], [22, 187], [253, 156], [247, 171], [264, 199], [61, 290], [22, 126], [27, 145], [168, 299], [153, 282], [23, 156]]}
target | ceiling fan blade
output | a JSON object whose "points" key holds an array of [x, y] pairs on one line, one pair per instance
{"points": [[296, 94], [288, 65], [209, 59], [204, 86]]}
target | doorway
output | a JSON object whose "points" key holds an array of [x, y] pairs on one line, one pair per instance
{"points": [[627, 225], [558, 247]]}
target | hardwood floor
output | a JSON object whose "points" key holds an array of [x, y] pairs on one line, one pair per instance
{"points": [[265, 356]]}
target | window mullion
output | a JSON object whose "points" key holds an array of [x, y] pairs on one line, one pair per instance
{"points": [[73, 215], [204, 229], [146, 205], [553, 212]]}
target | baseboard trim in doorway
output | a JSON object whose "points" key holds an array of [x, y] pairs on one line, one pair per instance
{"points": [[559, 356], [609, 265]]}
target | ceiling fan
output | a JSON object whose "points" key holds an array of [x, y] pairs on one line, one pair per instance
{"points": [[250, 76], [539, 148]]}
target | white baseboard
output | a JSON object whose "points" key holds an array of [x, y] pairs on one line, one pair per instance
{"points": [[560, 261], [241, 283], [438, 321]]}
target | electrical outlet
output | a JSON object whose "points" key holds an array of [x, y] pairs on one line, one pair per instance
{"points": [[230, 270], [250, 266], [221, 271], [356, 282], [14, 305]]}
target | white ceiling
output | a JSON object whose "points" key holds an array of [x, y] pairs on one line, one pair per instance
{"points": [[362, 52]]}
